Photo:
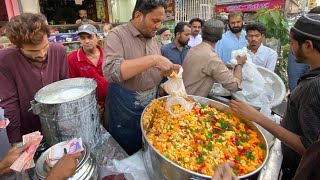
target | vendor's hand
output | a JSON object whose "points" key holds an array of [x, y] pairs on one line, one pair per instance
{"points": [[245, 110], [65, 167], [12, 156], [165, 65], [224, 172], [241, 59]]}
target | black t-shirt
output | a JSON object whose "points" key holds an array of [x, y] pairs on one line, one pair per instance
{"points": [[302, 118]]}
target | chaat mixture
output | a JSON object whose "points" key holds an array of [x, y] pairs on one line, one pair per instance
{"points": [[202, 139]]}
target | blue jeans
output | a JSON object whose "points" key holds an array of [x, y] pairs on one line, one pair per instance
{"points": [[295, 71], [123, 116]]}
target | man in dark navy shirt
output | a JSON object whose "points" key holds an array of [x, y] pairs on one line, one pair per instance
{"points": [[177, 50]]}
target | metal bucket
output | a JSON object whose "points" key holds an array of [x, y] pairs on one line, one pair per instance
{"points": [[86, 167], [159, 167], [68, 109]]}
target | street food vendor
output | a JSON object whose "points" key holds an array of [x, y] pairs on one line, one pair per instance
{"points": [[133, 67], [84, 18], [202, 66], [25, 69], [301, 123]]}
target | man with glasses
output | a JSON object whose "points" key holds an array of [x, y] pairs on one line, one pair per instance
{"points": [[25, 69], [133, 66]]}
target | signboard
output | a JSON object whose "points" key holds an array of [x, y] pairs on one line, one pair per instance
{"points": [[100, 9], [251, 6], [170, 10]]}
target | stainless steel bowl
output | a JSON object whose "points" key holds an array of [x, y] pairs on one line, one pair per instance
{"points": [[159, 167], [86, 168]]}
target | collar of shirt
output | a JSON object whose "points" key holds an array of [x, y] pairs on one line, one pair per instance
{"points": [[207, 46], [197, 37], [173, 46], [310, 75], [134, 31], [82, 56], [260, 49]]}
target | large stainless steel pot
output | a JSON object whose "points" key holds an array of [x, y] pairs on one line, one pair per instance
{"points": [[86, 167], [65, 118], [159, 167]]}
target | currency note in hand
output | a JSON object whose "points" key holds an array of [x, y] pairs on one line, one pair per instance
{"points": [[25, 159], [74, 146]]}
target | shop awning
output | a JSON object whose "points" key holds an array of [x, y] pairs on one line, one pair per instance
{"points": [[250, 6]]}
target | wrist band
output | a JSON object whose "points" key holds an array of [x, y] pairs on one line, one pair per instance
{"points": [[238, 65]]}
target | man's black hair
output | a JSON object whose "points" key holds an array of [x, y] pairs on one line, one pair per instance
{"points": [[146, 6], [180, 27], [256, 27], [197, 20], [301, 38]]}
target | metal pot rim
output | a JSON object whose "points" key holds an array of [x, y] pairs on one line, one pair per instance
{"points": [[195, 173]]}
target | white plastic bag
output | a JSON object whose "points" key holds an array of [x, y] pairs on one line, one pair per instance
{"points": [[132, 167], [175, 86], [256, 89]]}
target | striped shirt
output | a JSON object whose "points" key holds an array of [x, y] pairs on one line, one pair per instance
{"points": [[302, 116]]}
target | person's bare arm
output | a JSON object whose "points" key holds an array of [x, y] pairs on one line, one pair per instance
{"points": [[290, 139], [134, 67]]}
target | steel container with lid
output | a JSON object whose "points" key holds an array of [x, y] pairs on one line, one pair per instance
{"points": [[86, 167], [68, 109]]}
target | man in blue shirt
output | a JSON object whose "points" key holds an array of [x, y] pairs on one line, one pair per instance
{"points": [[177, 50], [295, 71], [233, 39]]}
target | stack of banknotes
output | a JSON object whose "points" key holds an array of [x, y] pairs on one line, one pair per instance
{"points": [[56, 152], [25, 160]]}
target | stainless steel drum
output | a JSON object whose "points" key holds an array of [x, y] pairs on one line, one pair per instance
{"points": [[86, 168], [159, 167], [68, 109]]}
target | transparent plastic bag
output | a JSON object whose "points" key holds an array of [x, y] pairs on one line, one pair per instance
{"points": [[249, 70], [175, 86], [174, 100], [132, 167]]}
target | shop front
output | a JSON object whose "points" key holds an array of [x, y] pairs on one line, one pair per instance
{"points": [[248, 8]]}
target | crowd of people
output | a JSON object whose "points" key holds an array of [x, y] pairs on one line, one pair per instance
{"points": [[133, 63]]}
